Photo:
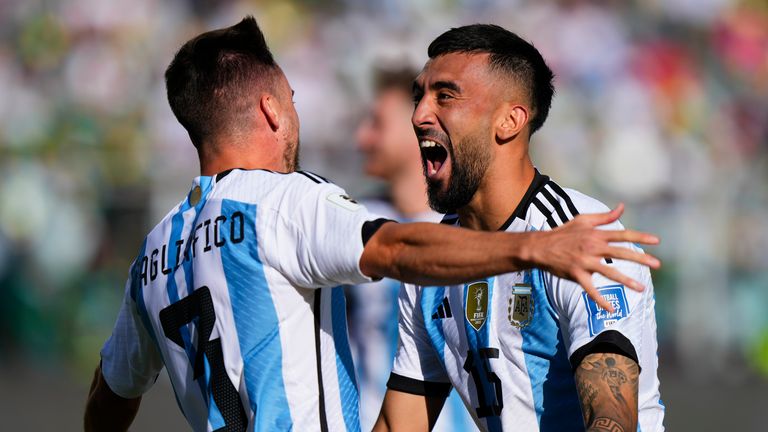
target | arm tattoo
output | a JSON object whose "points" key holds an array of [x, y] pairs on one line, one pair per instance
{"points": [[607, 385], [607, 425]]}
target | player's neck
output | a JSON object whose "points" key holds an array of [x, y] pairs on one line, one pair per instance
{"points": [[235, 155], [500, 191], [408, 193]]}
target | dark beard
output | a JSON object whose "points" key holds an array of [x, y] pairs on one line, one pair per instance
{"points": [[467, 172], [291, 157]]}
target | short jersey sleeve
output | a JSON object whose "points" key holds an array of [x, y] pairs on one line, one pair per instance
{"points": [[417, 367], [130, 359], [589, 329], [317, 239]]}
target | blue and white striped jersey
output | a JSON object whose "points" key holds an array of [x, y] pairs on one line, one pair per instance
{"points": [[509, 344], [235, 293]]}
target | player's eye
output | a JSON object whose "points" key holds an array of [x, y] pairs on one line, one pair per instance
{"points": [[444, 96], [416, 99]]}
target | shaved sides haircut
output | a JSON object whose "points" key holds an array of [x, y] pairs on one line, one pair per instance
{"points": [[510, 55], [215, 80]]}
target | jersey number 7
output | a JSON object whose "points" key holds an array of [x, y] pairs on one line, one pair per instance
{"points": [[199, 305]]}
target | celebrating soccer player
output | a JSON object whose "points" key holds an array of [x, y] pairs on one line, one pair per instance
{"points": [[236, 290], [526, 350]]}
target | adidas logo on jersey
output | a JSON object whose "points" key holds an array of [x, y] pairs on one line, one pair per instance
{"points": [[443, 310]]}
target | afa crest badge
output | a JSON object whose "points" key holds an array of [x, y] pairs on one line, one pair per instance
{"points": [[476, 304], [521, 306]]}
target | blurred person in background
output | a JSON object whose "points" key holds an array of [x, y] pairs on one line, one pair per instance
{"points": [[391, 151], [525, 350], [237, 290]]}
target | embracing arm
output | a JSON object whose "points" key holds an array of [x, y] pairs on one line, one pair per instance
{"points": [[608, 386], [105, 410], [433, 254]]}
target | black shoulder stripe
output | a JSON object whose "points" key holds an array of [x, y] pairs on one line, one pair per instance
{"points": [[319, 176], [309, 176], [546, 212], [315, 177], [556, 204], [558, 190]]}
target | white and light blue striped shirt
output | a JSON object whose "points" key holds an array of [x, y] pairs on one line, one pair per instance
{"points": [[509, 344], [236, 293]]}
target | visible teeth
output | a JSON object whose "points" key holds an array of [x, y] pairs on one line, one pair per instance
{"points": [[428, 143]]}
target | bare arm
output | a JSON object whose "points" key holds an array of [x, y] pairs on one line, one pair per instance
{"points": [[607, 386], [105, 410], [405, 412], [433, 254]]}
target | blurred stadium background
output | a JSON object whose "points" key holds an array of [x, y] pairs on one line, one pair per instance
{"points": [[662, 104]]}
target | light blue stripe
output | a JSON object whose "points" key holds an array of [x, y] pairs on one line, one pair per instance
{"points": [[391, 329], [137, 294], [548, 367], [345, 368], [256, 321], [177, 226], [431, 298], [214, 414], [477, 339]]}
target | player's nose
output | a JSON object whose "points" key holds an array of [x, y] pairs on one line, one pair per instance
{"points": [[423, 114]]}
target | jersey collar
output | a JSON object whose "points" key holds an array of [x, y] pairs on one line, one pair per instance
{"points": [[538, 182]]}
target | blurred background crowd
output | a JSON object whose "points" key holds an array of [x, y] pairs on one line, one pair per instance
{"points": [[661, 104]]}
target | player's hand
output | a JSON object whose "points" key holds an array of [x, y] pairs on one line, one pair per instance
{"points": [[576, 250]]}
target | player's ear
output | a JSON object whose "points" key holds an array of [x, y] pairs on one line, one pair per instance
{"points": [[271, 109], [513, 119]]}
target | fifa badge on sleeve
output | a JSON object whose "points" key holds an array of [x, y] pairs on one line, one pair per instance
{"points": [[599, 318]]}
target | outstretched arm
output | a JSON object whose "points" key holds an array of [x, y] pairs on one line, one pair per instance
{"points": [[607, 386], [105, 410], [433, 254]]}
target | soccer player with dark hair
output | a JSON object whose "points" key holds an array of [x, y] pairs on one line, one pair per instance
{"points": [[235, 292], [526, 350]]}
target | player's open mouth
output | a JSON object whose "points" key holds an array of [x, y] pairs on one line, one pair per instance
{"points": [[434, 156]]}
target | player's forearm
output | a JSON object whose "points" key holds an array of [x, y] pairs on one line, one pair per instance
{"points": [[426, 254], [105, 410], [608, 387]]}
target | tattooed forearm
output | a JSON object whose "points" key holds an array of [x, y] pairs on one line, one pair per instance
{"points": [[603, 424], [607, 386]]}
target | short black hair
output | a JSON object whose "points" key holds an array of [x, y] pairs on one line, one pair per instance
{"points": [[212, 75], [509, 54]]}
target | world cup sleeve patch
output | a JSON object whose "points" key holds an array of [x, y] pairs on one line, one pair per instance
{"points": [[344, 201], [599, 318]]}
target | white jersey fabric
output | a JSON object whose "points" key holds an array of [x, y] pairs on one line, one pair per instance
{"points": [[235, 293], [373, 336], [509, 344]]}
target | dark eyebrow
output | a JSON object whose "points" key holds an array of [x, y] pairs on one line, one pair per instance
{"points": [[446, 85], [293, 93], [417, 88]]}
